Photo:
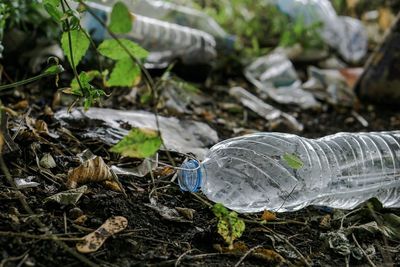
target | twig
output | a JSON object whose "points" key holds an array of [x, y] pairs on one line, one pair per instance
{"points": [[71, 53], [346, 215], [178, 260], [363, 251], [246, 254], [41, 237]]}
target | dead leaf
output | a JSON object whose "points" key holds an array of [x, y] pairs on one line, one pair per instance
{"points": [[326, 222], [269, 255], [68, 197], [186, 212], [93, 170], [23, 104], [386, 18], [81, 220], [112, 185], [93, 241], [170, 214], [268, 216]]}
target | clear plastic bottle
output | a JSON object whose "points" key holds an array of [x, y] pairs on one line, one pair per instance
{"points": [[251, 173], [181, 15], [165, 41]]}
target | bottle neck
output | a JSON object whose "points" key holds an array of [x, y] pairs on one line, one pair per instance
{"points": [[191, 175]]}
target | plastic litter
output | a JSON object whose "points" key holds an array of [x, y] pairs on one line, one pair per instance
{"points": [[275, 77], [25, 182], [181, 15], [166, 41], [111, 125], [266, 111], [285, 172], [347, 35], [330, 86]]}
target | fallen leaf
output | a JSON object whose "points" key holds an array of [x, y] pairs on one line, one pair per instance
{"points": [[93, 170], [326, 222], [93, 241], [268, 216], [69, 197], [139, 143], [170, 214]]}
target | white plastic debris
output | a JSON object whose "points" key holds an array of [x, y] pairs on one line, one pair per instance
{"points": [[111, 125], [275, 77], [346, 35], [265, 110]]}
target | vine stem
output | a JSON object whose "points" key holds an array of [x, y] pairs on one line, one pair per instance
{"points": [[26, 81], [71, 52]]}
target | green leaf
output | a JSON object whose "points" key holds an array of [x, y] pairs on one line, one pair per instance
{"points": [[112, 49], [125, 73], [53, 11], [79, 44], [230, 226], [121, 19], [85, 79], [139, 143], [293, 161]]}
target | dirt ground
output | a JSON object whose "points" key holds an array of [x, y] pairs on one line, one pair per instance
{"points": [[153, 240]]}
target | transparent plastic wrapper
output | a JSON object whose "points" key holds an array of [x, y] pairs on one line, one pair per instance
{"points": [[265, 110], [330, 86], [275, 77], [347, 35], [165, 41], [285, 172], [110, 126], [181, 15]]}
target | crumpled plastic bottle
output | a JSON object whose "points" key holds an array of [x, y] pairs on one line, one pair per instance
{"points": [[345, 34], [164, 40]]}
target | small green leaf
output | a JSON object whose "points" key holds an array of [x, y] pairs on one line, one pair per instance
{"points": [[230, 226], [79, 45], [53, 11], [293, 161], [85, 79], [125, 73], [121, 19], [112, 49], [139, 143]]}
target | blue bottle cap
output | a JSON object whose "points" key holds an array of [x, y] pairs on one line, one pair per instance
{"points": [[190, 176]]}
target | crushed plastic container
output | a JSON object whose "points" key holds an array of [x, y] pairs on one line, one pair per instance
{"points": [[164, 40], [345, 34], [275, 78], [285, 172]]}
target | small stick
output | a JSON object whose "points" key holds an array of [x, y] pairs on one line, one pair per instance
{"points": [[363, 251], [246, 254]]}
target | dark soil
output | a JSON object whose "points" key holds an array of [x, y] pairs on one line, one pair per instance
{"points": [[149, 238]]}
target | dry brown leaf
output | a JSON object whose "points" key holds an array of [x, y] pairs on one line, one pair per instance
{"points": [[269, 255], [23, 104], [325, 222], [93, 170], [268, 216], [93, 241], [112, 185], [386, 18], [81, 220]]}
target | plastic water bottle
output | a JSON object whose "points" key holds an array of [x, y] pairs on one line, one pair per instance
{"points": [[165, 41], [252, 173], [181, 15]]}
